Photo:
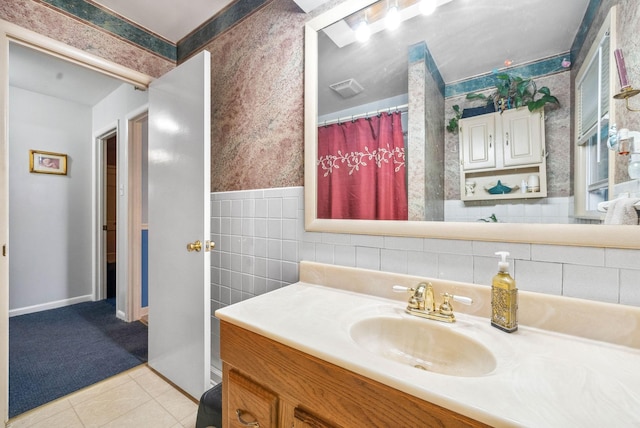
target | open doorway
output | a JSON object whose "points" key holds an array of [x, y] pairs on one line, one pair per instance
{"points": [[188, 98], [59, 107], [110, 171]]}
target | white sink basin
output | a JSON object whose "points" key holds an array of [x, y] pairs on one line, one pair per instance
{"points": [[424, 344]]}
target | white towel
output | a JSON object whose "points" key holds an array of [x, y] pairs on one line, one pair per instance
{"points": [[622, 211]]}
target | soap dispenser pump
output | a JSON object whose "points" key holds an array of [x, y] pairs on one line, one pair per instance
{"points": [[504, 297]]}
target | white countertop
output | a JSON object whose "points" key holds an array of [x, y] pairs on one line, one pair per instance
{"points": [[542, 378]]}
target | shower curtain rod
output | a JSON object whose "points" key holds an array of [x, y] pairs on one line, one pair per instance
{"points": [[401, 108]]}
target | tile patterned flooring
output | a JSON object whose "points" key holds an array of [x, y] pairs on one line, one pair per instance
{"points": [[137, 398]]}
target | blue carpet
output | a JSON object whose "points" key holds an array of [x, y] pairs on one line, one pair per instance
{"points": [[53, 353]]}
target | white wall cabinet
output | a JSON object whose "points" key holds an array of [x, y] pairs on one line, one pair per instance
{"points": [[509, 147]]}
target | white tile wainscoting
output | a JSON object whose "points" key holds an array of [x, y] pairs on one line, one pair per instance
{"points": [[543, 210], [260, 239]]}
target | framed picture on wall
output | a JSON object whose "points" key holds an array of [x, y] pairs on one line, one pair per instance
{"points": [[47, 162]]}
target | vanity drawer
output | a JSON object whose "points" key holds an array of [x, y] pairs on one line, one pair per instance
{"points": [[249, 403]]}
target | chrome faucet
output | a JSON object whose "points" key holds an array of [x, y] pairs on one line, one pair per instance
{"points": [[422, 302]]}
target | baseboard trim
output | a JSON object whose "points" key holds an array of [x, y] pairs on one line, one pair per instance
{"points": [[50, 305], [216, 376]]}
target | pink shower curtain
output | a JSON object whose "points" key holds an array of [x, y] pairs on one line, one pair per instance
{"points": [[361, 169]]}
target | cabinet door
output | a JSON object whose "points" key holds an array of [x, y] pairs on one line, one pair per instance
{"points": [[477, 142], [523, 137], [249, 404]]}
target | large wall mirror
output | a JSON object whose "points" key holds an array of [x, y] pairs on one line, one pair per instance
{"points": [[413, 76]]}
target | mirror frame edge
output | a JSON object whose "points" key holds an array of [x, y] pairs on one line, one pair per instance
{"points": [[584, 235]]}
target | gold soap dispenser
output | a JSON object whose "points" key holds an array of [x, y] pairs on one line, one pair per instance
{"points": [[504, 297]]}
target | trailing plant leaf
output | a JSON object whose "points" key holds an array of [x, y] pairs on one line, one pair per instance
{"points": [[491, 219], [545, 91], [546, 98], [474, 96], [453, 122]]}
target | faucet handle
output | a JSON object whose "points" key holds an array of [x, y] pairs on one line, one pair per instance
{"points": [[446, 308], [462, 299], [402, 289], [413, 303]]}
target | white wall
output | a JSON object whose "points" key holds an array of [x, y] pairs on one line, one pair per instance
{"points": [[51, 229], [116, 110], [49, 215]]}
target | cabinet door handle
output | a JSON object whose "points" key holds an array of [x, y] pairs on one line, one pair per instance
{"points": [[239, 414], [490, 136], [506, 138]]}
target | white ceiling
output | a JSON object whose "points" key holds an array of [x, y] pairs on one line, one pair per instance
{"points": [[466, 38], [171, 19], [44, 74]]}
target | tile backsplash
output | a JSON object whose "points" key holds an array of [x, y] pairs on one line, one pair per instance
{"points": [[543, 210], [260, 239]]}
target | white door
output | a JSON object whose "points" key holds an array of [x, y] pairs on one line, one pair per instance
{"points": [[523, 135], [477, 135], [179, 214]]}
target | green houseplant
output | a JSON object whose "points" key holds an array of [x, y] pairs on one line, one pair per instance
{"points": [[514, 91], [510, 92]]}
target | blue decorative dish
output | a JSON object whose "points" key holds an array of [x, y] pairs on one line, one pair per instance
{"points": [[499, 188]]}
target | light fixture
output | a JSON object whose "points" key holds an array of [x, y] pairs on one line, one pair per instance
{"points": [[362, 31], [625, 94], [626, 90], [392, 19], [626, 142], [427, 7], [629, 144]]}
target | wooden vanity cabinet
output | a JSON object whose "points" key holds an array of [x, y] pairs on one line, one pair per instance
{"points": [[279, 386]]}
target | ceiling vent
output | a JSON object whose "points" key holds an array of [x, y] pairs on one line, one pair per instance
{"points": [[347, 88]]}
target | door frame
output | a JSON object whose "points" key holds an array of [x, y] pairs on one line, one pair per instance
{"points": [[135, 122], [10, 32]]}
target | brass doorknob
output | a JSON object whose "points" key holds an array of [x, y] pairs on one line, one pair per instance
{"points": [[194, 246]]}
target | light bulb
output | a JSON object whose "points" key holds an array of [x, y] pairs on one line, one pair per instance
{"points": [[363, 32], [392, 20], [634, 166], [427, 7]]}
